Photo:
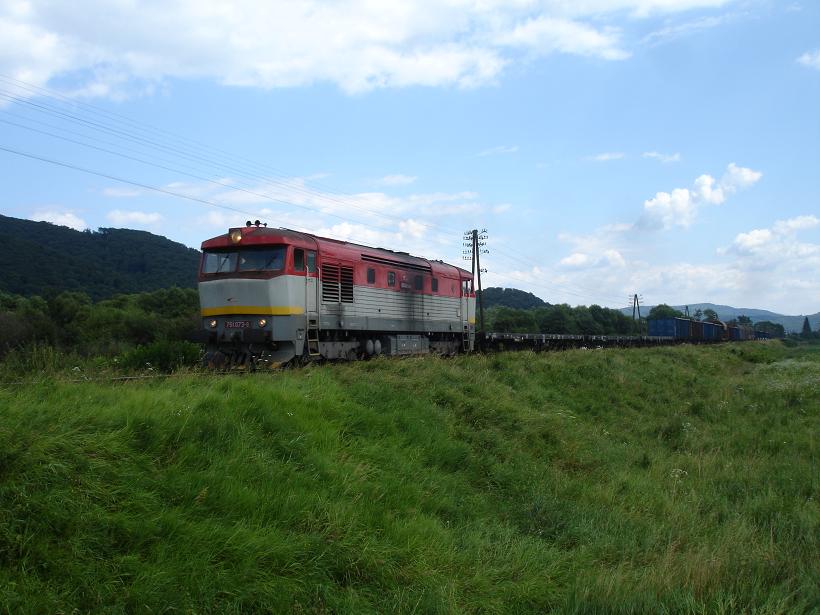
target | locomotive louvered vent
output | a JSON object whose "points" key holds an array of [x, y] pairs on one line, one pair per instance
{"points": [[347, 284], [330, 284]]}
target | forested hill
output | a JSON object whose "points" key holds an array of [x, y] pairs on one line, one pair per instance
{"points": [[41, 258], [511, 298]]}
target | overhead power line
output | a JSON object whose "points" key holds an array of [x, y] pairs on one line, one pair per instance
{"points": [[182, 150], [123, 180]]}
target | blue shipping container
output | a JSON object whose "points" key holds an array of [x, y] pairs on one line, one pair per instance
{"points": [[662, 327], [712, 331], [679, 328], [683, 328]]}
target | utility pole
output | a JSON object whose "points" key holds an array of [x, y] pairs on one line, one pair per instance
{"points": [[478, 241], [636, 308]]}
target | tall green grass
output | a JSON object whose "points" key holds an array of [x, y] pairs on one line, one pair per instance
{"points": [[668, 480]]}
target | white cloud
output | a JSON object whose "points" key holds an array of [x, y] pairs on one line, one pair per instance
{"points": [[576, 259], [680, 206], [544, 35], [355, 45], [810, 59], [503, 208], [614, 258], [773, 268], [60, 218], [295, 195], [676, 208], [707, 190], [601, 239], [137, 218], [665, 158], [676, 31], [413, 228], [397, 180], [778, 243], [121, 193], [737, 177], [780, 264], [799, 223], [606, 156], [766, 267], [753, 239], [500, 149]]}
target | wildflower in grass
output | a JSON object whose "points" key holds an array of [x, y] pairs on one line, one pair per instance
{"points": [[677, 474]]}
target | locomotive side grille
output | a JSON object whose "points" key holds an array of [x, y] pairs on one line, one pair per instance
{"points": [[347, 285], [330, 284]]}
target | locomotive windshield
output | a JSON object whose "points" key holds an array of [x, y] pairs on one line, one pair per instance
{"points": [[267, 258], [219, 262]]}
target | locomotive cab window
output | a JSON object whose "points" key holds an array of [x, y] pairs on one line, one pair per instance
{"points": [[262, 259], [299, 259], [419, 283], [435, 285], [249, 259], [311, 262], [391, 278], [371, 275], [219, 262]]}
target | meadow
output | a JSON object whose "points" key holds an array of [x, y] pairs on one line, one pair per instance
{"points": [[663, 480]]}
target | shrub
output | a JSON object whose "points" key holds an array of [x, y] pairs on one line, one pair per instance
{"points": [[162, 355]]}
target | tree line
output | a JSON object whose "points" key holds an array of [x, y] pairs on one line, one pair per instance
{"points": [[560, 318], [150, 328]]}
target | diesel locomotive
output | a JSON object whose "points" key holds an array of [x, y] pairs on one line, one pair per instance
{"points": [[271, 296]]}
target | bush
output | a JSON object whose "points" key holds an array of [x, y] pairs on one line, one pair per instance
{"points": [[35, 358], [163, 355]]}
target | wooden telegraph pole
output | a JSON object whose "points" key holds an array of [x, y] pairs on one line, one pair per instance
{"points": [[477, 242]]}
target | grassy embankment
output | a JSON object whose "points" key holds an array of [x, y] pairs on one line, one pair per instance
{"points": [[658, 480]]}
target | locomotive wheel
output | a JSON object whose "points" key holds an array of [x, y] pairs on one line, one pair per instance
{"points": [[214, 360]]}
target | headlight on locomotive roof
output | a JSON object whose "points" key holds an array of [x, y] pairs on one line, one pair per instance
{"points": [[212, 324], [262, 323], [236, 236]]}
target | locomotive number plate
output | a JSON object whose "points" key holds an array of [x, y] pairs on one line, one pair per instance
{"points": [[238, 324]]}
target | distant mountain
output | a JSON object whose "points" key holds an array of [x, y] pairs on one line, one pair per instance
{"points": [[727, 312], [510, 297], [40, 258]]}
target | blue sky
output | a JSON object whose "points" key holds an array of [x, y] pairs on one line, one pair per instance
{"points": [[665, 147]]}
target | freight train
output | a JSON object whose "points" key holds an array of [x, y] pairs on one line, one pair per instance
{"points": [[690, 330], [272, 296]]}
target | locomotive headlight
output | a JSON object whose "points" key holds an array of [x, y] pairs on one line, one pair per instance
{"points": [[212, 324], [262, 323], [236, 236]]}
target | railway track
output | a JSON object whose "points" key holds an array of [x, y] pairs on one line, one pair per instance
{"points": [[489, 342]]}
